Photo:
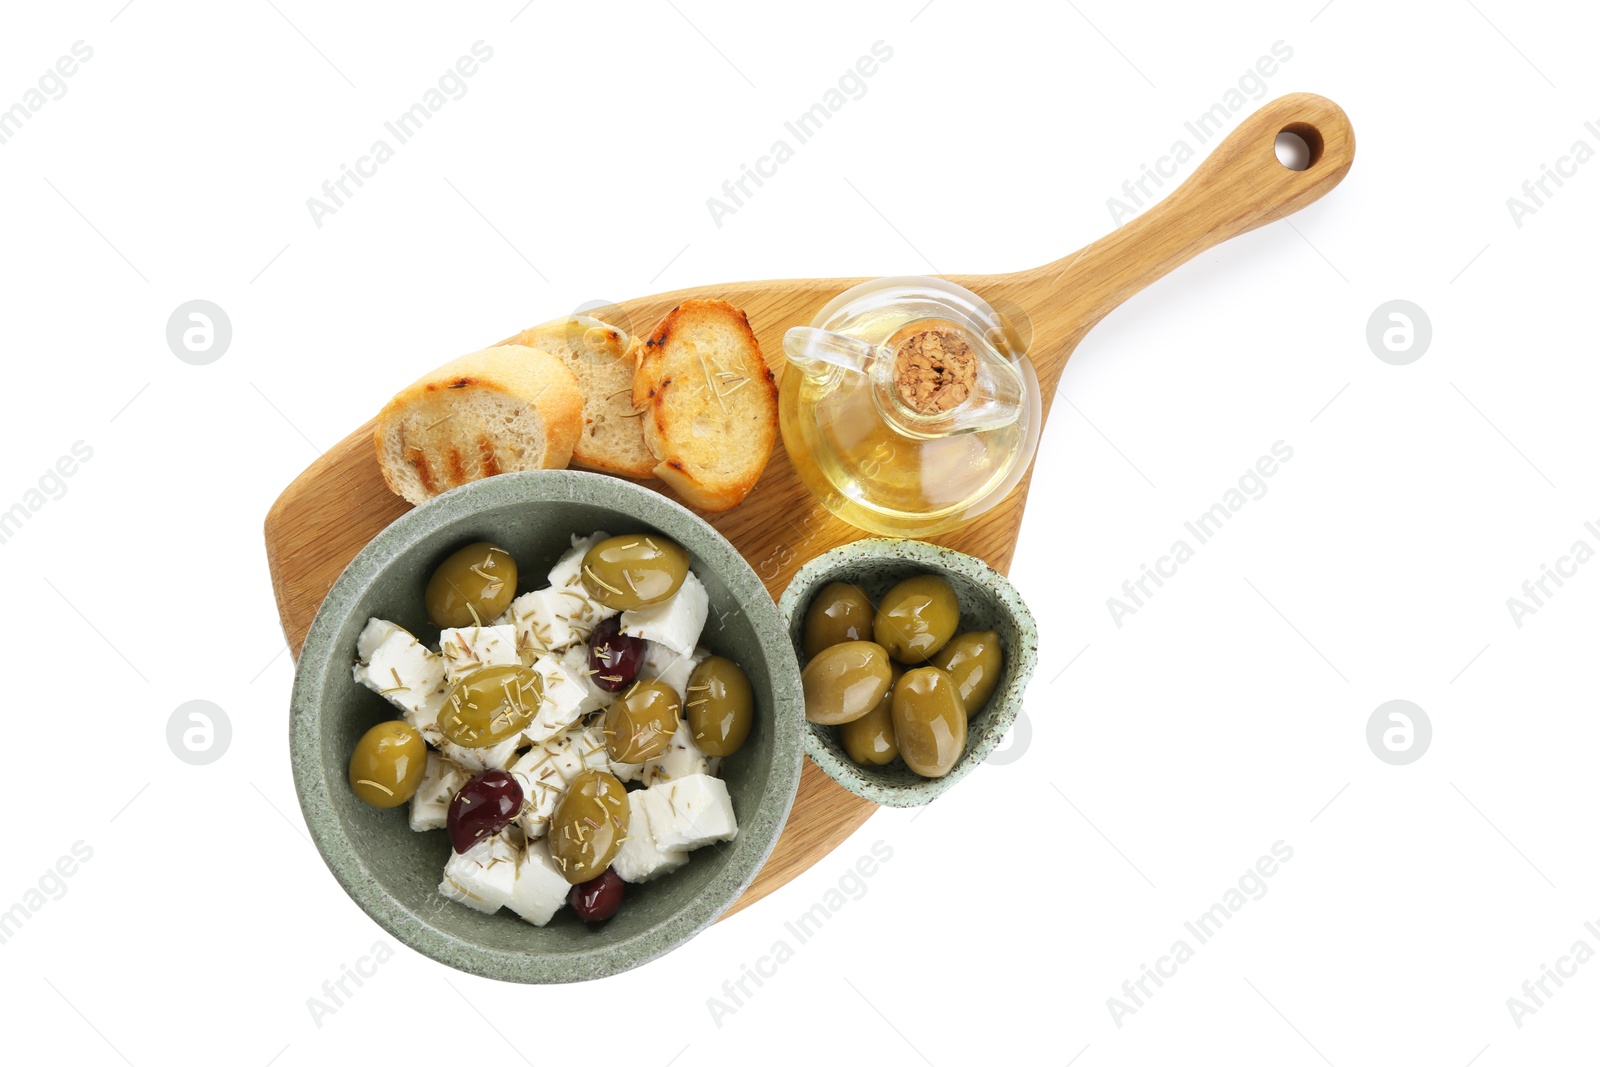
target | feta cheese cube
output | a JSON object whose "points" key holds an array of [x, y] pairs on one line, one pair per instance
{"points": [[550, 620], [402, 670], [372, 635], [495, 757], [584, 612], [681, 759], [430, 805], [545, 771], [484, 877], [568, 570], [540, 889], [640, 859], [576, 661], [690, 812], [625, 772], [675, 622], [466, 648], [565, 699], [670, 666]]}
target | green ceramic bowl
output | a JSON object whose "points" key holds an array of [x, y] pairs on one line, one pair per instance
{"points": [[392, 872], [988, 602]]}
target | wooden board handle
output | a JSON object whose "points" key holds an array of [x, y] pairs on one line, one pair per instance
{"points": [[1241, 185]]}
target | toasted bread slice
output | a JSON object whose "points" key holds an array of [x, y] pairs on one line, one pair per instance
{"points": [[603, 358], [710, 403], [507, 408]]}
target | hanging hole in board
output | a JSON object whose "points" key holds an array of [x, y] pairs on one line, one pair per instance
{"points": [[1298, 146]]}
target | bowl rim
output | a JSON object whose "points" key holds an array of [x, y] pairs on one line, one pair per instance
{"points": [[320, 655], [911, 551]]}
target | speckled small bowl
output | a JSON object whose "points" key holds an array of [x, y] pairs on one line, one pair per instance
{"points": [[393, 873], [988, 602]]}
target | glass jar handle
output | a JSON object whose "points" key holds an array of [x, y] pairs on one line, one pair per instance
{"points": [[812, 351]]}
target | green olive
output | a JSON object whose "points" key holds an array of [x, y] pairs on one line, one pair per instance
{"points": [[870, 739], [387, 764], [641, 721], [975, 661], [840, 612], [845, 681], [721, 706], [930, 722], [472, 587], [588, 826], [490, 704], [916, 618], [634, 570]]}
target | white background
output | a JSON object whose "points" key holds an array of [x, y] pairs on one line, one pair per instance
{"points": [[1166, 755]]}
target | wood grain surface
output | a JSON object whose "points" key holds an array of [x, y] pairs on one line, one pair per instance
{"points": [[340, 502]]}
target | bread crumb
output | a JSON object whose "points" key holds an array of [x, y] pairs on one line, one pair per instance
{"points": [[935, 369]]}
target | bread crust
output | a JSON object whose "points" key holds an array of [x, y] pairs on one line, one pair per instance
{"points": [[434, 434], [676, 388]]}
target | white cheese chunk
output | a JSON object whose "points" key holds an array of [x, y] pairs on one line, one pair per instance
{"points": [[625, 772], [583, 611], [568, 570], [540, 890], [550, 620], [372, 635], [466, 648], [403, 671], [545, 771], [681, 759], [688, 813], [670, 666], [675, 622], [640, 859], [484, 877], [494, 757], [430, 805], [565, 699], [576, 661]]}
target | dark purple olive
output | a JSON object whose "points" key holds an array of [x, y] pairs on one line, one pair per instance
{"points": [[483, 807], [614, 658], [598, 899]]}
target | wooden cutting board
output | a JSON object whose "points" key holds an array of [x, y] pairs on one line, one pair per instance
{"points": [[340, 502]]}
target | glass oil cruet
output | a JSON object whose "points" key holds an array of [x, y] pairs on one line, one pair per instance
{"points": [[909, 407]]}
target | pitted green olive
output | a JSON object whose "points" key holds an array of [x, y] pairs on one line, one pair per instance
{"points": [[634, 570], [387, 764], [844, 682], [640, 722], [840, 612], [975, 662], [588, 826], [472, 587], [916, 618], [869, 740], [721, 706], [930, 722], [490, 704]]}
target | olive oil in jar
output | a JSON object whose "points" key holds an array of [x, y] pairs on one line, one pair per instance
{"points": [[867, 454]]}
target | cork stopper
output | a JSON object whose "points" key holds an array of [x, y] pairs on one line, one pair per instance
{"points": [[935, 368]]}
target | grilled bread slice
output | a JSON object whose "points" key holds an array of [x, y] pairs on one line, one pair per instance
{"points": [[710, 403], [507, 408], [603, 358]]}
